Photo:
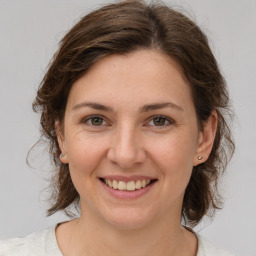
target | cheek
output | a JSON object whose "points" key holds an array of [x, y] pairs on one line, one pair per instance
{"points": [[174, 157], [175, 149], [84, 154]]}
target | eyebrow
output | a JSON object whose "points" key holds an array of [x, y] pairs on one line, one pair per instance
{"points": [[156, 106], [145, 108]]}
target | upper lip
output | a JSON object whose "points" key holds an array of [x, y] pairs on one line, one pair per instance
{"points": [[127, 178]]}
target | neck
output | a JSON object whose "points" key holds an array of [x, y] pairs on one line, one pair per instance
{"points": [[94, 237]]}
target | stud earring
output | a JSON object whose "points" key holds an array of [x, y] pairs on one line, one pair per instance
{"points": [[200, 158], [62, 155]]}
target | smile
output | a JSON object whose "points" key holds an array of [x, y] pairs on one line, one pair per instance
{"points": [[127, 186]]}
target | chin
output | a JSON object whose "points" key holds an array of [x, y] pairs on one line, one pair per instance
{"points": [[128, 219]]}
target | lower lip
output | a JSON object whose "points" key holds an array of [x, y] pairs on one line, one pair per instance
{"points": [[128, 194]]}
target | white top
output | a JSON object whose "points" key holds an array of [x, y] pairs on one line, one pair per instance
{"points": [[44, 243]]}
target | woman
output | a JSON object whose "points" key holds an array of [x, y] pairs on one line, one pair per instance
{"points": [[133, 106]]}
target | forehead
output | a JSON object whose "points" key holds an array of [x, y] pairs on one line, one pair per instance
{"points": [[140, 76]]}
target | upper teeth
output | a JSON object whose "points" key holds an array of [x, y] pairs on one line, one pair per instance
{"points": [[130, 185]]}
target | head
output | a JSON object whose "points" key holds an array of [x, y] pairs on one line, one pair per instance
{"points": [[124, 29]]}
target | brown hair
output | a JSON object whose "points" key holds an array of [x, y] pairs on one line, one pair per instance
{"points": [[121, 28]]}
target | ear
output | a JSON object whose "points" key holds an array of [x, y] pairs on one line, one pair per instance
{"points": [[60, 136], [206, 139]]}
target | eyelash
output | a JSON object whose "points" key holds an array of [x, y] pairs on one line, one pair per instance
{"points": [[89, 118], [166, 119], [152, 118]]}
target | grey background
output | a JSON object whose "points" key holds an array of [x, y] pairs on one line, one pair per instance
{"points": [[29, 35]]}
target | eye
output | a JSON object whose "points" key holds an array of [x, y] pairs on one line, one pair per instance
{"points": [[95, 121], [160, 121]]}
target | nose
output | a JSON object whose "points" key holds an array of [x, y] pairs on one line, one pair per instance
{"points": [[126, 150]]}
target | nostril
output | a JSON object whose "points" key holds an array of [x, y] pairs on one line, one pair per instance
{"points": [[126, 156]]}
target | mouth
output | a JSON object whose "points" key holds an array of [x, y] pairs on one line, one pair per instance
{"points": [[129, 186]]}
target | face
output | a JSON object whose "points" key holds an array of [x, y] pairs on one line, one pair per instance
{"points": [[131, 139]]}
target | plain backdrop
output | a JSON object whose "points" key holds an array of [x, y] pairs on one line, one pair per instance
{"points": [[29, 35]]}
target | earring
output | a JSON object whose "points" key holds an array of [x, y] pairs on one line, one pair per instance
{"points": [[200, 158], [62, 155]]}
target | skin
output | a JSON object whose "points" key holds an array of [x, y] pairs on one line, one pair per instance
{"points": [[126, 142]]}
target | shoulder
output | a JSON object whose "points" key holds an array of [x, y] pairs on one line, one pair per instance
{"points": [[37, 243], [206, 248]]}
